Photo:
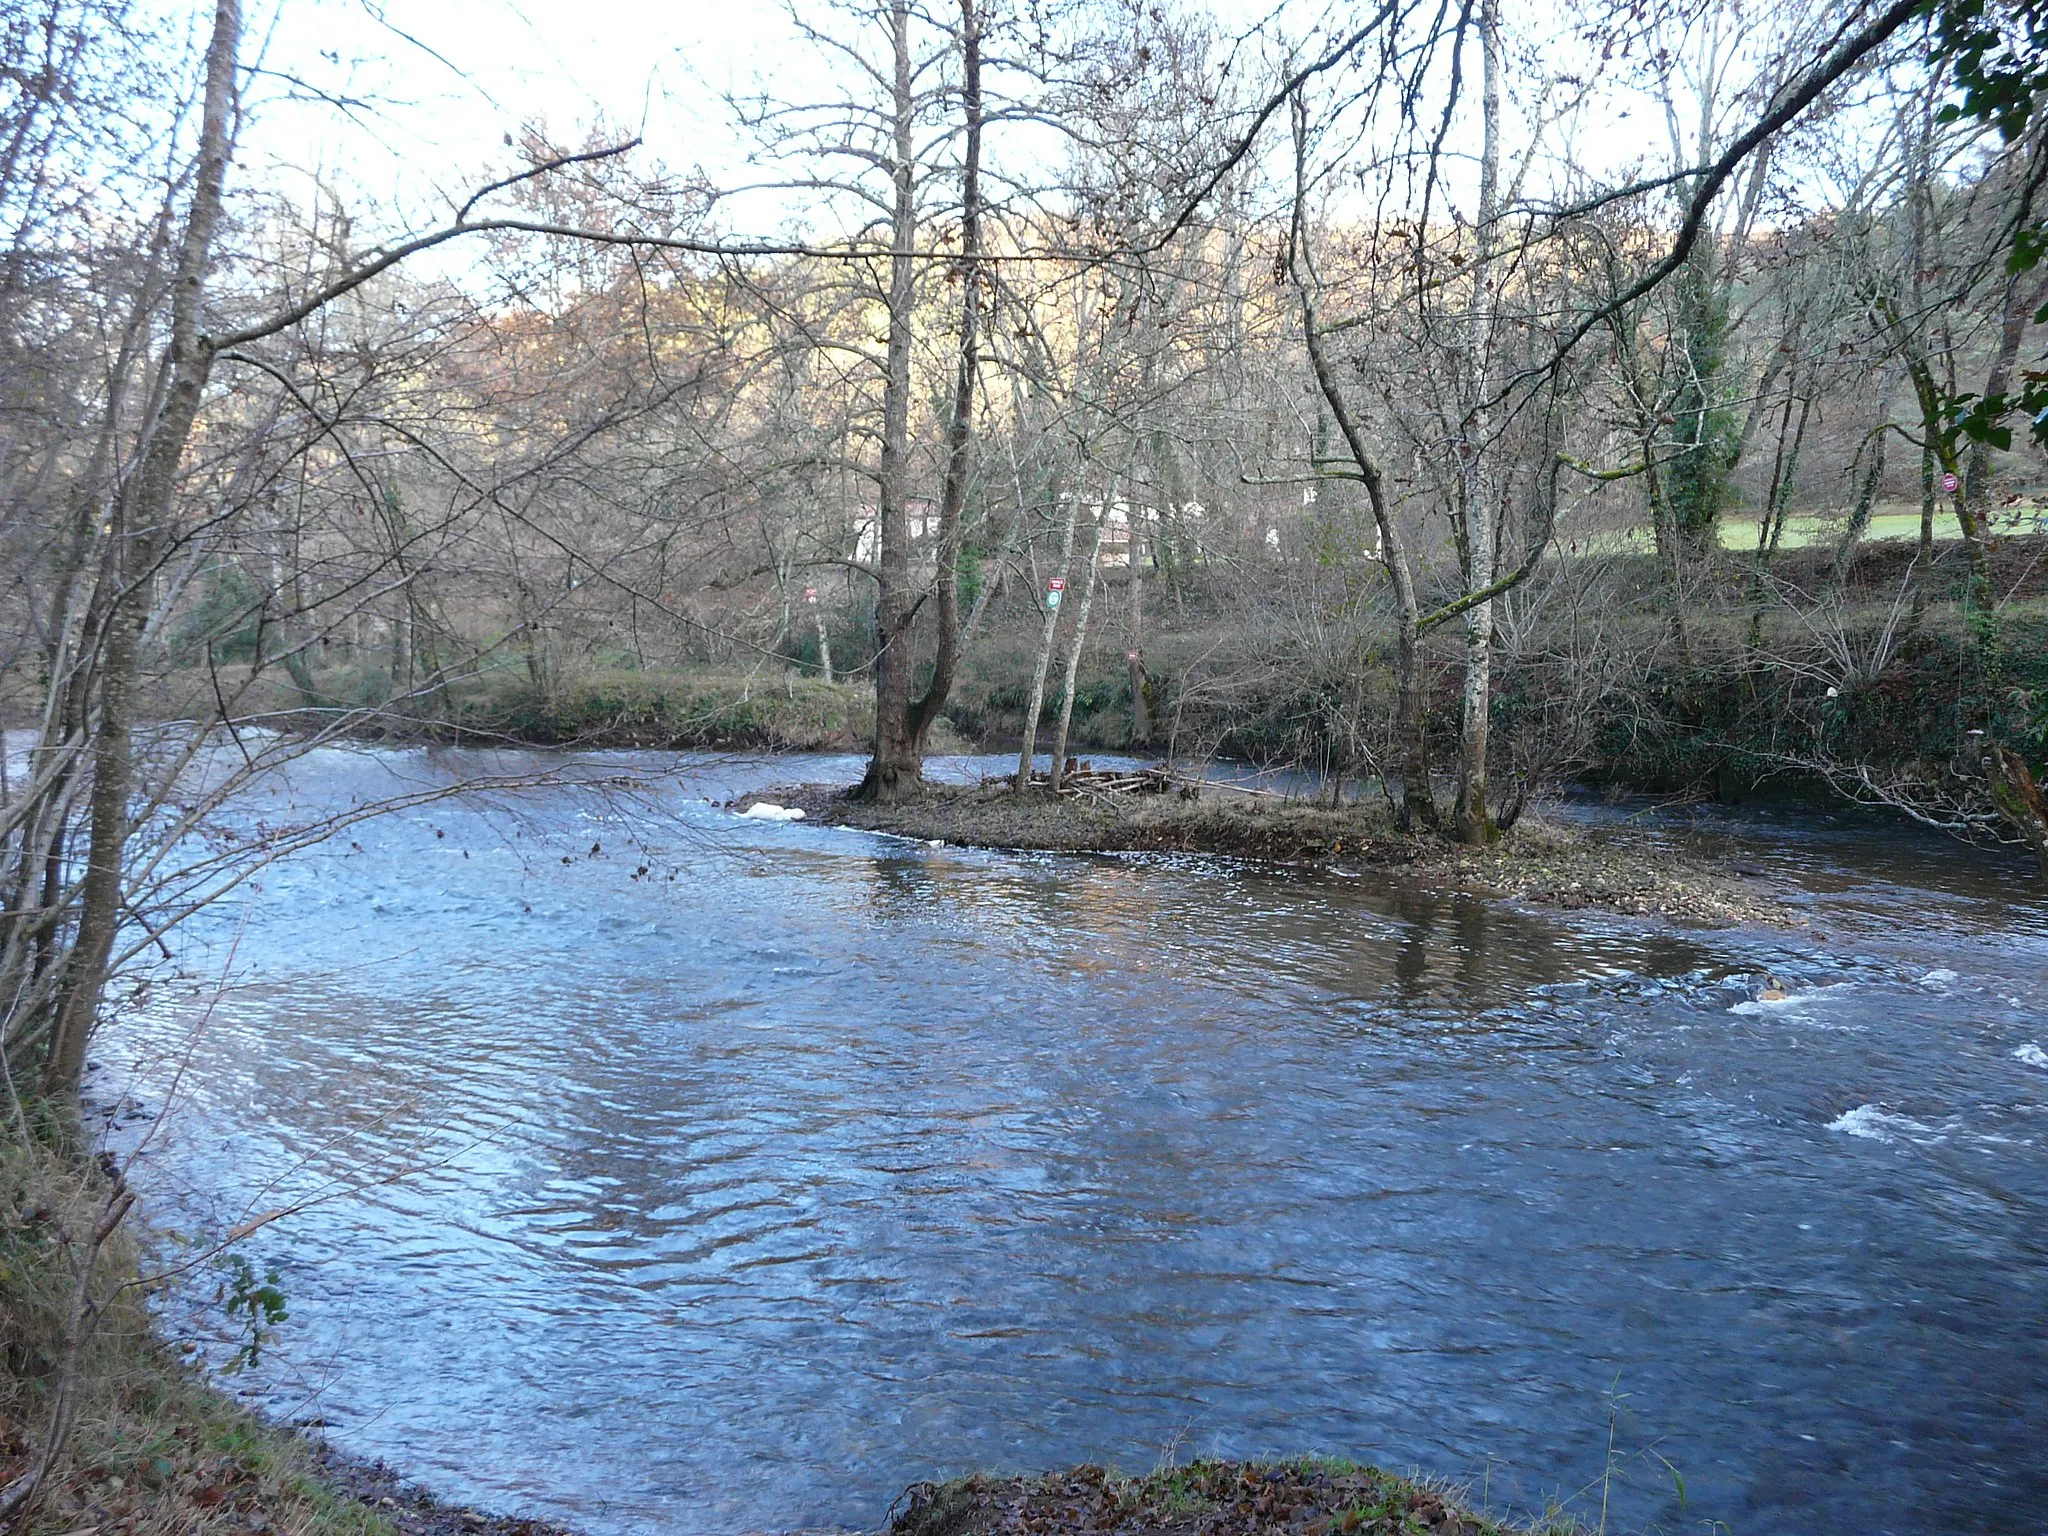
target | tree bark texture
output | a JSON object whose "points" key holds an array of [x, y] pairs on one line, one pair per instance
{"points": [[1075, 643], [896, 769], [140, 525]]}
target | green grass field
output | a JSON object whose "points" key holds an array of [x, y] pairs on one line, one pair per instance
{"points": [[1894, 522]]}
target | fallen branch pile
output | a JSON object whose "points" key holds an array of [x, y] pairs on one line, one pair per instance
{"points": [[1085, 779]]}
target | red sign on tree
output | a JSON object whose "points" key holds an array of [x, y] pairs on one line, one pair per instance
{"points": [[1057, 584], [1949, 483]]}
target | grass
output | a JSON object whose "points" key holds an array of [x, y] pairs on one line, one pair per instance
{"points": [[1311, 1495], [1804, 530], [775, 711], [672, 708], [168, 1454]]}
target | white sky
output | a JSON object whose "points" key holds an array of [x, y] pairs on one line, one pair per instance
{"points": [[446, 80]]}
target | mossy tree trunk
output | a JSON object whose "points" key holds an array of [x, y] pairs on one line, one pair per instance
{"points": [[2019, 800]]}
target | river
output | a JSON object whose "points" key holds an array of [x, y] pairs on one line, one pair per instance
{"points": [[667, 1171]]}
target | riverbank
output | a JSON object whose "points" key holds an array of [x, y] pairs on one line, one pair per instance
{"points": [[1545, 863], [1311, 1496], [151, 1446]]}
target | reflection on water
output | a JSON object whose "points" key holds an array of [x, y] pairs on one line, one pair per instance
{"points": [[738, 1192]]}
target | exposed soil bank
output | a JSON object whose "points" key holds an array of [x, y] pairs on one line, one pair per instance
{"points": [[1612, 869], [1310, 1497]]}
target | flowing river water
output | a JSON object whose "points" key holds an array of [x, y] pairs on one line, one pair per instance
{"points": [[670, 1171]]}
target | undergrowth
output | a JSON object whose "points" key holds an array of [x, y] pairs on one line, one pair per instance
{"points": [[151, 1449]]}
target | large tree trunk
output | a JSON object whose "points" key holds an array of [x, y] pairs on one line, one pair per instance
{"points": [[896, 770], [99, 921], [960, 424]]}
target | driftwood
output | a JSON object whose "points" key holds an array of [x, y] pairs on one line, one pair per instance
{"points": [[1084, 779], [1087, 780]]}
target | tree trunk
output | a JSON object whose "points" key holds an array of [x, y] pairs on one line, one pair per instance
{"points": [[1141, 715], [1927, 484], [1933, 426], [1860, 514], [896, 770], [960, 424], [141, 519], [1973, 499], [1418, 801], [1475, 825], [99, 921], [1075, 645], [2019, 800], [1784, 473], [1029, 749]]}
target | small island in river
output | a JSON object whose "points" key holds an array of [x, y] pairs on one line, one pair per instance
{"points": [[1547, 862]]}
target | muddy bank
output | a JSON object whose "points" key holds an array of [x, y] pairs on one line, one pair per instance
{"points": [[1611, 869], [409, 1509], [1314, 1496]]}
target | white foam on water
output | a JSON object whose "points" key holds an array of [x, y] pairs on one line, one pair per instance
{"points": [[1765, 1005], [767, 812], [1875, 1124], [1792, 1003], [1939, 980], [2032, 1055]]}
